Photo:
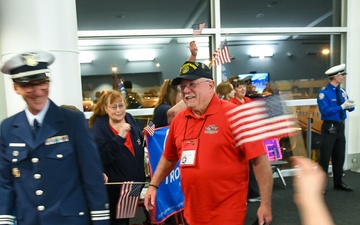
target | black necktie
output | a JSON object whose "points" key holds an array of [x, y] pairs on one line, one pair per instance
{"points": [[36, 128], [338, 99]]}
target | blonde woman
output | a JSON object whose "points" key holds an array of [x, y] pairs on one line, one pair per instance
{"points": [[119, 140], [225, 90]]}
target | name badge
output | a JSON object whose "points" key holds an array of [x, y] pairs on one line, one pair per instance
{"points": [[188, 158], [188, 154]]}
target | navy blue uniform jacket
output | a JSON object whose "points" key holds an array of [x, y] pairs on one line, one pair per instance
{"points": [[119, 163], [55, 179]]}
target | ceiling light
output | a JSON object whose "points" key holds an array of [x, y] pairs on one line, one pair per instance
{"points": [[325, 51], [140, 58], [261, 55], [140, 55], [261, 52]]}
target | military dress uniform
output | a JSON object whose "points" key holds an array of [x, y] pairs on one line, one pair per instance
{"points": [[332, 143], [55, 175]]}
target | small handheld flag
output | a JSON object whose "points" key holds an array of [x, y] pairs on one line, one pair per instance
{"points": [[150, 128], [128, 200], [221, 55], [197, 28], [122, 88]]}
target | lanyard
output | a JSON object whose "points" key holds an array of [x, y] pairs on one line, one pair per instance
{"points": [[187, 119]]}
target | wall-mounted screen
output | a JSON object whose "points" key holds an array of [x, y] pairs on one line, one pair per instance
{"points": [[259, 80]]}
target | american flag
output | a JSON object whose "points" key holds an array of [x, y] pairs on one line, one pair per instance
{"points": [[150, 128], [122, 88], [221, 55], [197, 28], [128, 200], [262, 119]]}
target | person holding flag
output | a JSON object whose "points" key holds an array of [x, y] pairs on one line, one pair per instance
{"points": [[119, 140], [214, 170]]}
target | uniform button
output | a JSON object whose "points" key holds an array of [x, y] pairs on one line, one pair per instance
{"points": [[37, 176], [14, 160], [41, 208], [59, 156], [81, 213], [34, 160], [15, 153], [39, 192]]}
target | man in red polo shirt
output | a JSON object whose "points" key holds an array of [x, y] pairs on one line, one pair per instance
{"points": [[214, 171]]}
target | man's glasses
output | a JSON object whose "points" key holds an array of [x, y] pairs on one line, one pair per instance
{"points": [[191, 85], [114, 107], [30, 87]]}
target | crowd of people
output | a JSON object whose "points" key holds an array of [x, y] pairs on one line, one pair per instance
{"points": [[54, 166]]}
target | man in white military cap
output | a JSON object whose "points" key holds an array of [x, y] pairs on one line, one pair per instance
{"points": [[333, 103], [50, 169]]}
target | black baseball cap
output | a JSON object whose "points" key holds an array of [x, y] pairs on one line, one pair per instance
{"points": [[192, 71]]}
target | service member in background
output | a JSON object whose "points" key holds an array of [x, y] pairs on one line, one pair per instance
{"points": [[50, 169], [333, 103]]}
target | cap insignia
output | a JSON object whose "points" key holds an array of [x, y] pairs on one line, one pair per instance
{"points": [[185, 69], [30, 59]]}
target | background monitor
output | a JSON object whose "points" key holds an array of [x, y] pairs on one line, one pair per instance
{"points": [[259, 80]]}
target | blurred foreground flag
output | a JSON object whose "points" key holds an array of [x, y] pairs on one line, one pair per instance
{"points": [[262, 119], [128, 200], [197, 28]]}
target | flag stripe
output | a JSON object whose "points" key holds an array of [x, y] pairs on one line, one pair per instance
{"points": [[222, 55]]}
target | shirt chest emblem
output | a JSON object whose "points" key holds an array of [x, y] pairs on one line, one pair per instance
{"points": [[211, 129]]}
